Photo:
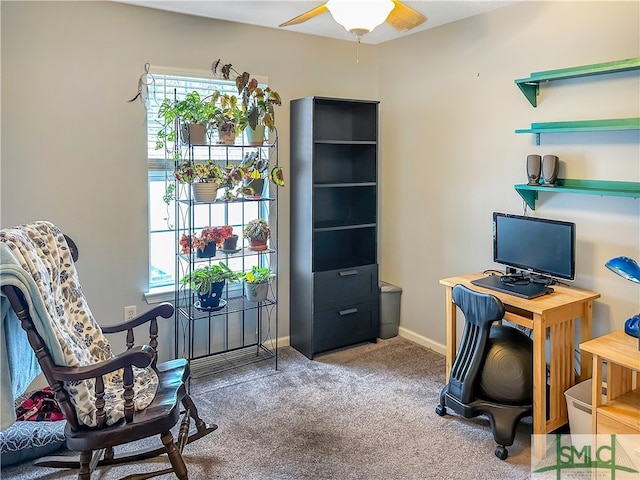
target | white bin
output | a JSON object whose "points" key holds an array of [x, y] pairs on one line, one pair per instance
{"points": [[579, 409], [389, 310]]}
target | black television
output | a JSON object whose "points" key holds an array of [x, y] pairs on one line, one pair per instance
{"points": [[536, 245]]}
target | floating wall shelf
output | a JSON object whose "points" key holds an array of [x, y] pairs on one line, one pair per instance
{"points": [[529, 193], [582, 126], [530, 86]]}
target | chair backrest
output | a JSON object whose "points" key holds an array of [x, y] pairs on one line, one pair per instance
{"points": [[480, 311], [44, 291]]}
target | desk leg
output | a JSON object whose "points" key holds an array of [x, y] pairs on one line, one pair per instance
{"points": [[451, 332], [596, 389], [539, 377], [585, 334]]}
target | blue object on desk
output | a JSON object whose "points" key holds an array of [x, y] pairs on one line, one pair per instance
{"points": [[627, 268], [632, 326]]}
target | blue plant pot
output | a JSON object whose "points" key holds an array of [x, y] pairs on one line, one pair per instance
{"points": [[212, 299], [209, 251]]}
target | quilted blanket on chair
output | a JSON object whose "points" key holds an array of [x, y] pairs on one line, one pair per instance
{"points": [[36, 258]]}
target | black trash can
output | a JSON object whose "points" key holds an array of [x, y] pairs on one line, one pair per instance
{"points": [[389, 310]]}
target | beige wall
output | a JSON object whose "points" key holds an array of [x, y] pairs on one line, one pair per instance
{"points": [[450, 156], [73, 150]]}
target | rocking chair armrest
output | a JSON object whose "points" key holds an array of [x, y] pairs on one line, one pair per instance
{"points": [[164, 310], [140, 357]]}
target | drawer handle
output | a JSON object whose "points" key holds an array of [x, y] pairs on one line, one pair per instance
{"points": [[348, 311], [348, 273]]}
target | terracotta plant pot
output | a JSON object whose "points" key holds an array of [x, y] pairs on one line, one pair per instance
{"points": [[194, 133], [257, 245], [226, 134]]}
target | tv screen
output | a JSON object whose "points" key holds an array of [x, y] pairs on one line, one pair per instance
{"points": [[537, 245]]}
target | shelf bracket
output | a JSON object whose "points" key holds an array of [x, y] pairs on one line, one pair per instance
{"points": [[529, 196], [530, 91]]}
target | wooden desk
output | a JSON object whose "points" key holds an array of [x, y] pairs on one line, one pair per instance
{"points": [[621, 411], [556, 312]]}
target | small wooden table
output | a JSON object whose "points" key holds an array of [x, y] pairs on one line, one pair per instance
{"points": [[621, 412], [551, 316]]}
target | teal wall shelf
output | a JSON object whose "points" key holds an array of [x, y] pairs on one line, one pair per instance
{"points": [[530, 86], [582, 126], [529, 193]]}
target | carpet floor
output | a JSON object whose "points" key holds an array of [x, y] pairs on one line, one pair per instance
{"points": [[364, 412]]}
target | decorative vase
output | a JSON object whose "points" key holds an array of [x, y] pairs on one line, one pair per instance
{"points": [[258, 186], [255, 136], [230, 243], [205, 192], [257, 245], [194, 133], [212, 299], [256, 292], [208, 252]]}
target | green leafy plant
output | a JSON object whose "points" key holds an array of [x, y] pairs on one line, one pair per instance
{"points": [[257, 275], [257, 229], [198, 172], [258, 103], [202, 278], [189, 110], [226, 114], [257, 167]]}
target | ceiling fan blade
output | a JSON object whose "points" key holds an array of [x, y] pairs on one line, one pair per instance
{"points": [[306, 16], [404, 18]]}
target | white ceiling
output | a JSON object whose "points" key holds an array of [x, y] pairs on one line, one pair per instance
{"points": [[268, 13]]}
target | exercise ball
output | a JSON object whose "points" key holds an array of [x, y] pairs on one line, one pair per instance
{"points": [[506, 375]]}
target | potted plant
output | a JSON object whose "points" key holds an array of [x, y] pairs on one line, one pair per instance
{"points": [[192, 112], [204, 178], [231, 178], [257, 171], [208, 282], [227, 117], [257, 231], [258, 103], [256, 283], [206, 242]]}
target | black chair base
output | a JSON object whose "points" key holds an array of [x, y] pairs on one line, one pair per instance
{"points": [[503, 419]]}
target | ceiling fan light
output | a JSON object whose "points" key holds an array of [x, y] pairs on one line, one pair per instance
{"points": [[361, 16]]}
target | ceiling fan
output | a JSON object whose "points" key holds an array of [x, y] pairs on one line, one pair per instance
{"points": [[362, 16]]}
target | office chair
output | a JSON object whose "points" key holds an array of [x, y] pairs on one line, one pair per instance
{"points": [[492, 373], [107, 400]]}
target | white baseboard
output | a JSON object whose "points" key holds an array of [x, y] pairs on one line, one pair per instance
{"points": [[403, 332], [421, 340]]}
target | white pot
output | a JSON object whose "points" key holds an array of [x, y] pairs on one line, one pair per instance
{"points": [[256, 292], [205, 192]]}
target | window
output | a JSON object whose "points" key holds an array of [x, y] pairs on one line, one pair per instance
{"points": [[162, 237]]}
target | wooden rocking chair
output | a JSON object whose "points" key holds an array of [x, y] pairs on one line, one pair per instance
{"points": [[95, 443]]}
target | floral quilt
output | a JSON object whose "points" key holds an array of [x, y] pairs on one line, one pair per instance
{"points": [[41, 250]]}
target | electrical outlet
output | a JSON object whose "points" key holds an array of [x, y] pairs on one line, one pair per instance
{"points": [[129, 312]]}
